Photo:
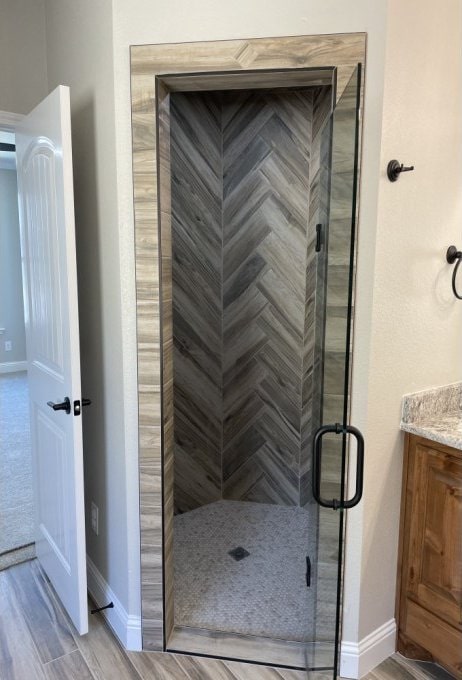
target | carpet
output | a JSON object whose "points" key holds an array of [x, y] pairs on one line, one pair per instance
{"points": [[16, 490]]}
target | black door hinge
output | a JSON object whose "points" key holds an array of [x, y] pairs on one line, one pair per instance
{"points": [[308, 572]]}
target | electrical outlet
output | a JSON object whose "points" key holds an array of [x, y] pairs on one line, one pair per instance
{"points": [[94, 517], [8, 345]]}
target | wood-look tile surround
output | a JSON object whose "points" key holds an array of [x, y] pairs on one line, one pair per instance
{"points": [[148, 61]]}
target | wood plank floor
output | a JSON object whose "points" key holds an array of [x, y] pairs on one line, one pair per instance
{"points": [[38, 642]]}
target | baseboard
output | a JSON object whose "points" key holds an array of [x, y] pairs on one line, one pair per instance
{"points": [[127, 628], [13, 366], [359, 658]]}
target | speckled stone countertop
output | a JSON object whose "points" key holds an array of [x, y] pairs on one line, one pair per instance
{"points": [[435, 414]]}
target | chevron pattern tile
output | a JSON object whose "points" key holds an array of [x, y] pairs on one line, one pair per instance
{"points": [[312, 382], [266, 164], [197, 298], [246, 186]]}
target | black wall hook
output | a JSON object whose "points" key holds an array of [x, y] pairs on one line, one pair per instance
{"points": [[395, 168], [452, 254]]}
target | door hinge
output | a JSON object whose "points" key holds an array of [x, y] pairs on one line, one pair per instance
{"points": [[308, 572]]}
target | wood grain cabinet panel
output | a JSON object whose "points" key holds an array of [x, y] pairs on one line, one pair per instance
{"points": [[429, 607]]}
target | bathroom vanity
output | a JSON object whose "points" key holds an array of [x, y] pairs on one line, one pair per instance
{"points": [[429, 593]]}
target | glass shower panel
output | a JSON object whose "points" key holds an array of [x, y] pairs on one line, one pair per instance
{"points": [[335, 277], [261, 307]]}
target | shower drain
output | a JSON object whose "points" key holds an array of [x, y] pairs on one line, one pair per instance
{"points": [[238, 553]]}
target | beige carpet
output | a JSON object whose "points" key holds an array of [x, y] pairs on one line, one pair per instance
{"points": [[16, 493]]}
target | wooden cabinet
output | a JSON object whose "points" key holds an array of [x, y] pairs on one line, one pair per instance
{"points": [[429, 597]]}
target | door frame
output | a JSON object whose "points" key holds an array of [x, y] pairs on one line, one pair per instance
{"points": [[153, 270], [9, 120]]}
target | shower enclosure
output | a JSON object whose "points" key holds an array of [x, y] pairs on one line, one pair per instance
{"points": [[245, 165], [263, 184]]}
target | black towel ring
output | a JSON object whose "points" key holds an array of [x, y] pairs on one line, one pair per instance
{"points": [[452, 254]]}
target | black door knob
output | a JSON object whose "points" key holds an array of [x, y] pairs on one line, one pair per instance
{"points": [[63, 406]]}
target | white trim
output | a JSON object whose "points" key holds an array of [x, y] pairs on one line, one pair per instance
{"points": [[8, 120], [13, 366], [359, 658], [126, 627]]}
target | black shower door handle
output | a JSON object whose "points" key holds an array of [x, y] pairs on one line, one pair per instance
{"points": [[335, 503]]}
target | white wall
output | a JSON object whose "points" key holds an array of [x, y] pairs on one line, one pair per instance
{"points": [[11, 299], [23, 76], [79, 54], [416, 330]]}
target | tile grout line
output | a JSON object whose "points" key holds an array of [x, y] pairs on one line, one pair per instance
{"points": [[76, 639], [74, 651]]}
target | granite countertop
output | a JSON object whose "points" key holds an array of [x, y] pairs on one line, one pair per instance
{"points": [[435, 414]]}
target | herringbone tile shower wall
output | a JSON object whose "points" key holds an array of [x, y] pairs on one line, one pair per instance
{"points": [[196, 159], [245, 194], [266, 163]]}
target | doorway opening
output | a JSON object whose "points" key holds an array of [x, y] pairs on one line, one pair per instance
{"points": [[16, 482], [257, 224]]}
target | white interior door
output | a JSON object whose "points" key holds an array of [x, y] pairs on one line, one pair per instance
{"points": [[46, 206]]}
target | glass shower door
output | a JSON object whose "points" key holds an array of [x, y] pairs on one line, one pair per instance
{"points": [[331, 488]]}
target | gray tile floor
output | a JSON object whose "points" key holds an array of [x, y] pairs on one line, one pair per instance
{"points": [[38, 642], [263, 594]]}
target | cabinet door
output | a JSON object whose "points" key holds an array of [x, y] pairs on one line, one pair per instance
{"points": [[434, 576]]}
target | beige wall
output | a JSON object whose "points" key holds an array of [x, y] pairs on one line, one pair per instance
{"points": [[11, 300], [408, 332], [79, 54], [23, 75], [416, 329]]}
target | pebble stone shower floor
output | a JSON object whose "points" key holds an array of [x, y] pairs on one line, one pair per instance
{"points": [[264, 593]]}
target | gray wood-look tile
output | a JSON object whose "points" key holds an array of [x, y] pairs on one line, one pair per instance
{"points": [[314, 277], [196, 190], [100, 657], [245, 200], [47, 625], [102, 653], [19, 658], [68, 667], [266, 166]]}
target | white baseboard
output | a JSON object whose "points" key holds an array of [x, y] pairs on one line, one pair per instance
{"points": [[13, 366], [359, 658], [127, 628]]}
